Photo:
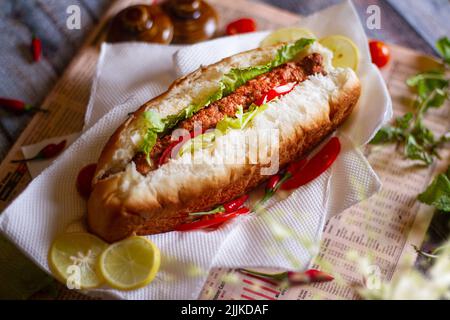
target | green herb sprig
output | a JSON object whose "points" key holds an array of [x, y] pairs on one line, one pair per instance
{"points": [[433, 89], [438, 193]]}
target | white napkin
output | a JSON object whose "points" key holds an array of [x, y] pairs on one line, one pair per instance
{"points": [[132, 72], [286, 236]]}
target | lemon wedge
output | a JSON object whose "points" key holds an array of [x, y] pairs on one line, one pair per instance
{"points": [[286, 35], [73, 258], [130, 264], [346, 53]]}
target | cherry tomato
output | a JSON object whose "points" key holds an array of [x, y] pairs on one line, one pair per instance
{"points": [[316, 166], [380, 53], [243, 25], [211, 222], [84, 180]]}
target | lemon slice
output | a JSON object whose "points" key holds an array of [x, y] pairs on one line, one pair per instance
{"points": [[73, 257], [130, 264], [346, 53], [286, 35]]}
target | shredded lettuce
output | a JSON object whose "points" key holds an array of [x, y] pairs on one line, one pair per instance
{"points": [[241, 121], [237, 77], [200, 142], [153, 125], [229, 83], [188, 112]]}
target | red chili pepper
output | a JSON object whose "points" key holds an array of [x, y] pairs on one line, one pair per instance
{"points": [[273, 182], [211, 222], [276, 181], [36, 48], [48, 152], [243, 25], [18, 106], [234, 205], [168, 152], [316, 166], [296, 166], [276, 92], [84, 180], [166, 155], [309, 276], [294, 278]]}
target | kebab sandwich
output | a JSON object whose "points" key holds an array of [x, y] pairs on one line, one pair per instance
{"points": [[147, 181]]}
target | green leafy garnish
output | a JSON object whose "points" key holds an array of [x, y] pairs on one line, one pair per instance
{"points": [[230, 82], [241, 121], [438, 193], [432, 89], [172, 120], [200, 142], [415, 151], [153, 125], [393, 133], [237, 77], [443, 46]]}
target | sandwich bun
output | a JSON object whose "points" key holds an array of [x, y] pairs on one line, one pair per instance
{"points": [[124, 202]]}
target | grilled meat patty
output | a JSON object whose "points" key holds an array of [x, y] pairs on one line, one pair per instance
{"points": [[244, 96]]}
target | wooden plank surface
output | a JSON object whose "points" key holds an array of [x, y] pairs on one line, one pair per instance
{"points": [[430, 18]]}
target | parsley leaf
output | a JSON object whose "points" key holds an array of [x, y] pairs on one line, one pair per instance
{"points": [[443, 46], [438, 193], [404, 122], [419, 141], [432, 89], [415, 151], [386, 135], [394, 133]]}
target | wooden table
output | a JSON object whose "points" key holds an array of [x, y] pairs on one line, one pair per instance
{"points": [[32, 82]]}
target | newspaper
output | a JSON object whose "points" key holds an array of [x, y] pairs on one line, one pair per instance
{"points": [[385, 226]]}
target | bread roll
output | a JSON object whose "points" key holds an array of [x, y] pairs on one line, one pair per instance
{"points": [[125, 202]]}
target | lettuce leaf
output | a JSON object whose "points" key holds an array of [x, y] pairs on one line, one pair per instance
{"points": [[241, 121], [229, 83], [237, 77], [290, 51], [171, 121], [200, 142], [153, 125]]}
